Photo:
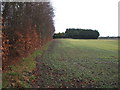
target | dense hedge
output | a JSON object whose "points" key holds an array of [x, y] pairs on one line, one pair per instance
{"points": [[27, 27], [78, 34]]}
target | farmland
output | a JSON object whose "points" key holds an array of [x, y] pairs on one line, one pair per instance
{"points": [[72, 63], [67, 63]]}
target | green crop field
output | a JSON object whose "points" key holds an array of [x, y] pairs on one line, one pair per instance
{"points": [[80, 63]]}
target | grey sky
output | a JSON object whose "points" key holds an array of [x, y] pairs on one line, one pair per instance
{"points": [[101, 15]]}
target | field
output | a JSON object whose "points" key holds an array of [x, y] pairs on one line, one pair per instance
{"points": [[67, 63], [79, 63]]}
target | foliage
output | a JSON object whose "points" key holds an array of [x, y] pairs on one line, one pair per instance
{"points": [[27, 26], [78, 34]]}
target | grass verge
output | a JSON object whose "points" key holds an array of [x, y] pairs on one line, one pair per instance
{"points": [[21, 74]]}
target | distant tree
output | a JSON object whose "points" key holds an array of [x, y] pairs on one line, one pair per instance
{"points": [[78, 34], [59, 35]]}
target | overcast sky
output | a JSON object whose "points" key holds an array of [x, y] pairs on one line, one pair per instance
{"points": [[101, 15]]}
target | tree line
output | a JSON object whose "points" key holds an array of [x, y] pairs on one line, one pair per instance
{"points": [[27, 26], [78, 34]]}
